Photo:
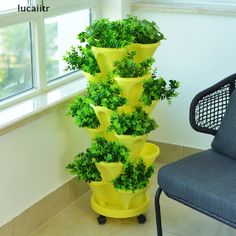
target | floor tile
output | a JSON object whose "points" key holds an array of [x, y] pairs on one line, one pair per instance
{"points": [[6, 230], [77, 219], [178, 220]]}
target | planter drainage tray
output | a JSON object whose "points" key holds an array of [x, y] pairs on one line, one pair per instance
{"points": [[116, 211]]}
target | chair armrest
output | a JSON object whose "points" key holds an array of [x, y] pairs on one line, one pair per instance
{"points": [[208, 106]]}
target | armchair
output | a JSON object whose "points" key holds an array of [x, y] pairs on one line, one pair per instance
{"points": [[206, 181]]}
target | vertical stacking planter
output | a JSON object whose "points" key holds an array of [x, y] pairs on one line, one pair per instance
{"points": [[143, 51], [132, 88], [116, 113], [107, 56]]}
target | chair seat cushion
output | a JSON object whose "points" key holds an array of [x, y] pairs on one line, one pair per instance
{"points": [[205, 181], [225, 139]]}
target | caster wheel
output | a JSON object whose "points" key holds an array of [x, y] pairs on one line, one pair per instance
{"points": [[101, 219], [142, 219]]}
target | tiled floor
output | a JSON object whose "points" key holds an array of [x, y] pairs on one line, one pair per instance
{"points": [[178, 220]]}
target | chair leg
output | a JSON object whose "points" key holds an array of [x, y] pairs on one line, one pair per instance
{"points": [[158, 212]]}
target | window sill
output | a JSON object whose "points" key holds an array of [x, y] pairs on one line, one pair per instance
{"points": [[16, 115], [214, 9]]}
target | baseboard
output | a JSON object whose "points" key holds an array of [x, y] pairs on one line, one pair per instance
{"points": [[42, 211], [56, 201]]}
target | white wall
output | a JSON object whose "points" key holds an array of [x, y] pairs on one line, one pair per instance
{"points": [[33, 159], [199, 51], [116, 9]]}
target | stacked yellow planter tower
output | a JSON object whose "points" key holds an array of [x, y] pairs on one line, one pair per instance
{"points": [[106, 200]]}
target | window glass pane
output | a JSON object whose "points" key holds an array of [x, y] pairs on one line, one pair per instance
{"points": [[60, 33], [15, 60], [12, 4]]}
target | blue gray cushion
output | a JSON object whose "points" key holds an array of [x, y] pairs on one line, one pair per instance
{"points": [[225, 139], [206, 181]]}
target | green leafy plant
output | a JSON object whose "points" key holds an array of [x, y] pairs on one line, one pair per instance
{"points": [[107, 34], [143, 31], [105, 93], [136, 123], [135, 176], [83, 166], [157, 89], [81, 58], [128, 68], [108, 151], [83, 113]]}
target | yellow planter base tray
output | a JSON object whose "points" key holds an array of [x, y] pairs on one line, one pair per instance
{"points": [[116, 211]]}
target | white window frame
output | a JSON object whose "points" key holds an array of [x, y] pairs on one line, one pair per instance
{"points": [[207, 7], [57, 8], [207, 2]]}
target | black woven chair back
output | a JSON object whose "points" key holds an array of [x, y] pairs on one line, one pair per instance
{"points": [[208, 107]]}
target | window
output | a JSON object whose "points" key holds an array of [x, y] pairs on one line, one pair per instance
{"points": [[15, 60], [60, 34], [10, 5], [32, 44]]}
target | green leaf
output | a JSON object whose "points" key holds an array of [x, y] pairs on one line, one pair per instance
{"points": [[83, 113], [107, 34], [81, 58], [136, 123], [135, 176], [106, 93], [157, 89], [143, 31], [83, 166], [128, 68]]}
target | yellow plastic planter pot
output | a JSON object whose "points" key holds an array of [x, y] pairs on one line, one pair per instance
{"points": [[95, 132], [107, 56], [149, 153], [126, 109], [110, 135], [107, 197], [133, 143], [132, 88], [104, 116], [92, 78], [130, 199], [99, 190], [143, 51], [119, 203], [150, 109], [109, 170]]}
